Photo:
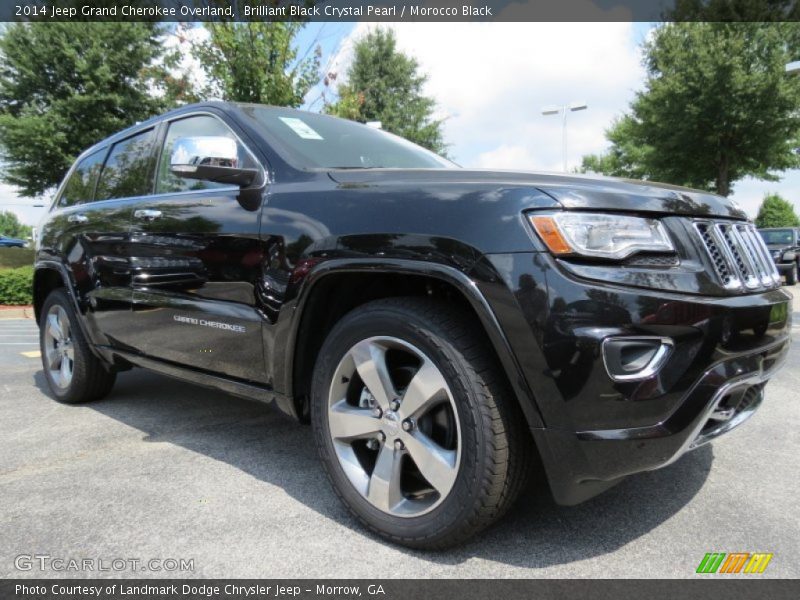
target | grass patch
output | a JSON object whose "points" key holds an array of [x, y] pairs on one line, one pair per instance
{"points": [[11, 258]]}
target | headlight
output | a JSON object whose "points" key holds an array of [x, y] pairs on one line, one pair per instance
{"points": [[604, 236]]}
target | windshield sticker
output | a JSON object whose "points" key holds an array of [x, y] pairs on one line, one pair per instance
{"points": [[301, 128]]}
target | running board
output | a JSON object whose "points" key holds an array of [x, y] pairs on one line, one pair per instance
{"points": [[237, 388]]}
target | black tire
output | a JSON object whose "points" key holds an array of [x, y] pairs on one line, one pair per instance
{"points": [[496, 446], [791, 275], [90, 379]]}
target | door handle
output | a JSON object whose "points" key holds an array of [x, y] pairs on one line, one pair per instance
{"points": [[78, 218], [147, 214]]}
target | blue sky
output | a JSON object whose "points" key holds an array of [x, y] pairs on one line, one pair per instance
{"points": [[490, 81]]}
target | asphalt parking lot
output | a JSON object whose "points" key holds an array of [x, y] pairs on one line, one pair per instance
{"points": [[166, 470]]}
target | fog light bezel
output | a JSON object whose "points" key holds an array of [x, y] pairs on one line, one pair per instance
{"points": [[662, 353]]}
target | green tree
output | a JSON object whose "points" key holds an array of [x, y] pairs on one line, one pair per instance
{"points": [[757, 11], [257, 62], [383, 84], [66, 86], [10, 226], [625, 158], [775, 211], [717, 106]]}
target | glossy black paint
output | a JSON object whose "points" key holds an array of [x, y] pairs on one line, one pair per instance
{"points": [[219, 288]]}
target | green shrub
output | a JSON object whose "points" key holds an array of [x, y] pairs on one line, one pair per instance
{"points": [[16, 286], [11, 258]]}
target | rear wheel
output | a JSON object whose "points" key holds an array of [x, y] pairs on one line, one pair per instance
{"points": [[415, 428], [74, 374], [791, 275]]}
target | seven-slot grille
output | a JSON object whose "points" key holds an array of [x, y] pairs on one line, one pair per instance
{"points": [[739, 255]]}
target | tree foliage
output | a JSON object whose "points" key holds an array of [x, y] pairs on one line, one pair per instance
{"points": [[775, 211], [11, 227], [383, 84], [625, 158], [754, 11], [257, 62], [717, 106], [65, 86]]}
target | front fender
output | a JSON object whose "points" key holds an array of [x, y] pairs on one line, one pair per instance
{"points": [[466, 286]]}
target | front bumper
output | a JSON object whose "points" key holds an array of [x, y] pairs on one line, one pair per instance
{"points": [[598, 430], [784, 268]]}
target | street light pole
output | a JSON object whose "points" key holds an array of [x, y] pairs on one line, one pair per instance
{"points": [[563, 110]]}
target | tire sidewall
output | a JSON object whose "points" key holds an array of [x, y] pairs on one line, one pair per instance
{"points": [[459, 503]]}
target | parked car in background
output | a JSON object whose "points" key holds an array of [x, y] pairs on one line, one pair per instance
{"points": [[438, 327], [9, 242], [784, 247]]}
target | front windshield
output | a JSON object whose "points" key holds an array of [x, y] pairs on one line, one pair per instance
{"points": [[777, 236], [313, 141]]}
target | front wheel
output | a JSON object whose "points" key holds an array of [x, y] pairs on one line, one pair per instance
{"points": [[414, 425], [74, 374]]}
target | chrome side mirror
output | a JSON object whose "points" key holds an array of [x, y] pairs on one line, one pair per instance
{"points": [[211, 158]]}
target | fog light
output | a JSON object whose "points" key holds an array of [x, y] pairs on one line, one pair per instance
{"points": [[635, 357]]}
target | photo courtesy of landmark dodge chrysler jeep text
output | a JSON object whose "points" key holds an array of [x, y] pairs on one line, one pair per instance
{"points": [[443, 329]]}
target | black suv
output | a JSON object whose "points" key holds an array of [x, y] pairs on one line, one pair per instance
{"points": [[442, 329], [783, 244]]}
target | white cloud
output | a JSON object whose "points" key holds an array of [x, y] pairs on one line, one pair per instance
{"points": [[492, 79], [28, 210]]}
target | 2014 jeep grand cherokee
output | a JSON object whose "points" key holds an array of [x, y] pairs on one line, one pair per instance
{"points": [[443, 329]]}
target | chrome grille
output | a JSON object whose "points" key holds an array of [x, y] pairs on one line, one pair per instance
{"points": [[740, 257]]}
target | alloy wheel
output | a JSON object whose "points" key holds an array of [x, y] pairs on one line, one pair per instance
{"points": [[58, 347], [394, 426]]}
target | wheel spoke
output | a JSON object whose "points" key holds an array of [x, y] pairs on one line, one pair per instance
{"points": [[55, 326], [348, 422], [384, 484], [66, 370], [426, 388], [370, 361], [63, 321], [436, 464], [53, 359]]}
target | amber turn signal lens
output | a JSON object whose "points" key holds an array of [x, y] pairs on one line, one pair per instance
{"points": [[548, 230]]}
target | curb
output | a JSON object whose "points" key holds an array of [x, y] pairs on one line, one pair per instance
{"points": [[16, 312]]}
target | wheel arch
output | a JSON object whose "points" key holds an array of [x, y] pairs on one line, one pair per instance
{"points": [[47, 277], [321, 304], [51, 275]]}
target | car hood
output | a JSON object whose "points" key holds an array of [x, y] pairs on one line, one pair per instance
{"points": [[578, 192]]}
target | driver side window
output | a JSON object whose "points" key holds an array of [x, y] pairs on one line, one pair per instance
{"points": [[201, 125]]}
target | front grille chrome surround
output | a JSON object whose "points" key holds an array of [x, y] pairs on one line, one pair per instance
{"points": [[740, 258]]}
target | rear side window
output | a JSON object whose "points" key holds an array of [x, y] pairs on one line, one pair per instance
{"points": [[201, 125], [128, 168], [80, 186]]}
